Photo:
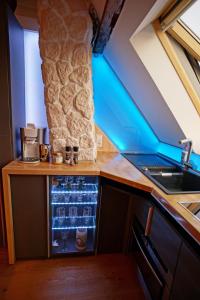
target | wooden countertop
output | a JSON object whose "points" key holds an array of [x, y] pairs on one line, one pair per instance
{"points": [[113, 166]]}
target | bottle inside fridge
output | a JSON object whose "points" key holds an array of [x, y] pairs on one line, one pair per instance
{"points": [[73, 207]]}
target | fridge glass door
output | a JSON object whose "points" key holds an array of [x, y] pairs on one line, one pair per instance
{"points": [[73, 205]]}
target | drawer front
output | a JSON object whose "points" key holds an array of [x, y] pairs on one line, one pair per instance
{"points": [[166, 242], [141, 210], [150, 277]]}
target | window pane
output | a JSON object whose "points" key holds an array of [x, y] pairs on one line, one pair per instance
{"points": [[191, 18]]}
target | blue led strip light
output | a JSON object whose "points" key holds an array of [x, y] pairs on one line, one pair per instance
{"points": [[73, 227], [85, 184], [74, 192], [73, 203], [78, 217]]}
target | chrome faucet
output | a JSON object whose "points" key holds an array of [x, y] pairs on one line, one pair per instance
{"points": [[185, 156]]}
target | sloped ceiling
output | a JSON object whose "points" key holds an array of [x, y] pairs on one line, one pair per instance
{"points": [[132, 73]]}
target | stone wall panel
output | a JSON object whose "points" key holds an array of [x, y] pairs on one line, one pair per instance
{"points": [[49, 73], [65, 48], [51, 26], [63, 69], [82, 103], [52, 93], [55, 115], [80, 75], [80, 55], [50, 50]]}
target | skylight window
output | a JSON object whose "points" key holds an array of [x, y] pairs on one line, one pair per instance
{"points": [[191, 18], [181, 22]]}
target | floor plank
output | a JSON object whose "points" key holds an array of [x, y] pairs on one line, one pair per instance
{"points": [[102, 277]]}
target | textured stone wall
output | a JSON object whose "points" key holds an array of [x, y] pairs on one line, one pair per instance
{"points": [[65, 37]]}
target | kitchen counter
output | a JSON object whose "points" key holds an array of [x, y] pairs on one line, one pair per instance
{"points": [[109, 165]]}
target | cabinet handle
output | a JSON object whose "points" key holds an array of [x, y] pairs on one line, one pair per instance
{"points": [[149, 221]]}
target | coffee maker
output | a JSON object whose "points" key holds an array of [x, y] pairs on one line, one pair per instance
{"points": [[31, 138]]}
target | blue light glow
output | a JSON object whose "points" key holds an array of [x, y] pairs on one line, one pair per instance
{"points": [[73, 203], [73, 227], [175, 153], [74, 192], [115, 112], [77, 217]]}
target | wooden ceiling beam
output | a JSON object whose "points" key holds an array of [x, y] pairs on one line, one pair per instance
{"points": [[110, 16]]}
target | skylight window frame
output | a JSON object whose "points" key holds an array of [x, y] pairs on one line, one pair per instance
{"points": [[186, 38]]}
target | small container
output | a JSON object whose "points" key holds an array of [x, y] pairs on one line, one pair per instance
{"points": [[75, 154], [57, 158], [68, 154], [81, 239], [44, 152]]}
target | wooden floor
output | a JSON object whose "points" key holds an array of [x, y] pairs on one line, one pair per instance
{"points": [[102, 277]]}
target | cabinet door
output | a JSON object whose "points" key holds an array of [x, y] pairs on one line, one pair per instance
{"points": [[166, 242], [186, 284], [114, 222], [29, 202]]}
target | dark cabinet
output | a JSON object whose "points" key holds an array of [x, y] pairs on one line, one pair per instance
{"points": [[29, 201], [166, 242], [159, 246], [115, 218], [186, 283]]}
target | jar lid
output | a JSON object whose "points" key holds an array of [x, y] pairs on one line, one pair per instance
{"points": [[68, 148], [75, 148], [58, 154]]}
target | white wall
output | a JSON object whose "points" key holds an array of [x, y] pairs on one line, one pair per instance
{"points": [[131, 71], [34, 89], [168, 82]]}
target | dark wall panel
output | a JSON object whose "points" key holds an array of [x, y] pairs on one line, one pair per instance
{"points": [[29, 215], [12, 87]]}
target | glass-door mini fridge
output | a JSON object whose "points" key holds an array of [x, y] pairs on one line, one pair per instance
{"points": [[73, 202]]}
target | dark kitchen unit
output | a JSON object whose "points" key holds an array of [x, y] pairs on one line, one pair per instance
{"points": [[86, 212], [73, 202]]}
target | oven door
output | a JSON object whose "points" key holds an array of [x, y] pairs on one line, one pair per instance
{"points": [[150, 276]]}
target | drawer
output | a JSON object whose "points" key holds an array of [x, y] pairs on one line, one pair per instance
{"points": [[151, 278], [165, 241]]}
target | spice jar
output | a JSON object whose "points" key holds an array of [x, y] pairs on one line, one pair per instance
{"points": [[75, 154], [57, 158], [68, 154]]}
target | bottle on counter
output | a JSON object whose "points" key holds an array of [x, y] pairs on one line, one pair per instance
{"points": [[75, 154], [68, 154]]}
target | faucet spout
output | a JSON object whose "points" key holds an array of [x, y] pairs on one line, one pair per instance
{"points": [[186, 153]]}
